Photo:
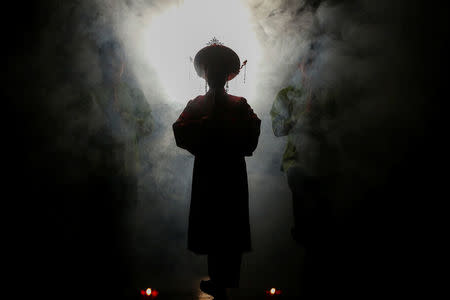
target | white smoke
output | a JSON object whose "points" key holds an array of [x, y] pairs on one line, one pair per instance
{"points": [[353, 56]]}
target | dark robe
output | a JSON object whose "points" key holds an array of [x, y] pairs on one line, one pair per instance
{"points": [[220, 135]]}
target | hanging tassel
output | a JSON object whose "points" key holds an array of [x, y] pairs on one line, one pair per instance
{"points": [[190, 66], [206, 82], [245, 71], [244, 65]]}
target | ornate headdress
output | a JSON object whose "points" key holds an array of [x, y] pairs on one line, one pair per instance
{"points": [[216, 55]]}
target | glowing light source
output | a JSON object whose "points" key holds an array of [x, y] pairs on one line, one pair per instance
{"points": [[273, 292], [172, 38], [152, 293]]}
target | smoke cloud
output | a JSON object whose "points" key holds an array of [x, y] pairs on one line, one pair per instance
{"points": [[362, 59]]}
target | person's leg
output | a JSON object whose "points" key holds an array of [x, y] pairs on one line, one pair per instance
{"points": [[213, 271], [301, 188], [211, 286], [231, 269], [224, 269], [314, 228]]}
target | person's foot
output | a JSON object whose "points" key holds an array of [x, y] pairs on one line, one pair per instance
{"points": [[208, 287], [221, 296]]}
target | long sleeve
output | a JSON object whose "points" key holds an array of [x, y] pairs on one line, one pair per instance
{"points": [[249, 131], [282, 109], [187, 130], [203, 133], [142, 114]]}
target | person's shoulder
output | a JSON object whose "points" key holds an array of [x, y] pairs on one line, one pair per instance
{"points": [[241, 104], [196, 100], [288, 91], [237, 100], [193, 104]]}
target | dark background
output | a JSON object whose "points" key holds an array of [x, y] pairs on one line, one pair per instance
{"points": [[78, 250]]}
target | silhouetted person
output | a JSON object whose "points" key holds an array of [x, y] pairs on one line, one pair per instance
{"points": [[124, 106], [310, 164], [127, 114], [220, 130], [120, 116]]}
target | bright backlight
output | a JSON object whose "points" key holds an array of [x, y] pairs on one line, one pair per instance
{"points": [[176, 35]]}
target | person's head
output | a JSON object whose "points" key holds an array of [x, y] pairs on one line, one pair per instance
{"points": [[216, 64], [111, 57], [304, 67], [216, 77], [306, 63]]}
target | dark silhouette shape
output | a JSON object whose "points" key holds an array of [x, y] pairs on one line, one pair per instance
{"points": [[311, 166], [220, 130]]}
